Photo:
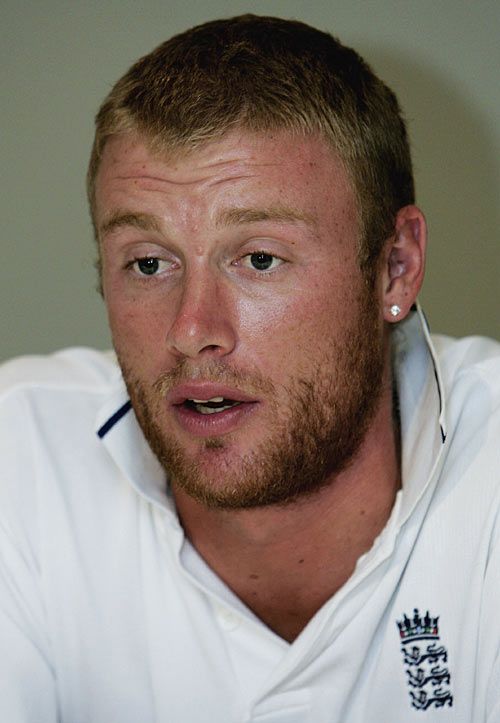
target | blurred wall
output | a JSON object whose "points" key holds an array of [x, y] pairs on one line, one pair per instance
{"points": [[58, 60]]}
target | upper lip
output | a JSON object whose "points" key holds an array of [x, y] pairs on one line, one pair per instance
{"points": [[206, 390]]}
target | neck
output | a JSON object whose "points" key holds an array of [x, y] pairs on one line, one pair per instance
{"points": [[284, 562]]}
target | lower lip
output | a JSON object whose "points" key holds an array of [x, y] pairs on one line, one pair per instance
{"points": [[211, 425]]}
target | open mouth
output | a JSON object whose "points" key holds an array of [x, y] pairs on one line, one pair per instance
{"points": [[214, 405], [203, 409]]}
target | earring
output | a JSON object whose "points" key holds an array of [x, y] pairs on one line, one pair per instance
{"points": [[395, 310]]}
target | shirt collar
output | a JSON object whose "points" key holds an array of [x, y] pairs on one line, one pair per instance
{"points": [[422, 406], [120, 433]]}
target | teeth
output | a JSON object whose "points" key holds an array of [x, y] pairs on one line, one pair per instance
{"points": [[207, 407], [212, 410], [214, 405], [212, 399]]}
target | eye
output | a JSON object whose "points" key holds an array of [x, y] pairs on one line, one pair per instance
{"points": [[261, 261], [149, 265]]}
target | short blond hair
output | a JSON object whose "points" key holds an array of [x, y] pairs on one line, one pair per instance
{"points": [[263, 74]]}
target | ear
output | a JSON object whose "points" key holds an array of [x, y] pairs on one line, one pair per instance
{"points": [[404, 263]]}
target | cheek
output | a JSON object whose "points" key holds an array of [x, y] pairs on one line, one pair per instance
{"points": [[136, 331], [286, 331]]}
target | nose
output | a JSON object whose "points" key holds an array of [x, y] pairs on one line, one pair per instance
{"points": [[204, 320]]}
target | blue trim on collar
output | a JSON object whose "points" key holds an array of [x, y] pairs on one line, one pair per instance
{"points": [[114, 419]]}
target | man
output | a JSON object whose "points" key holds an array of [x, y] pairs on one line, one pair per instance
{"points": [[284, 506]]}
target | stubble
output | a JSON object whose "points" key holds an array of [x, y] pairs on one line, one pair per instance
{"points": [[315, 423]]}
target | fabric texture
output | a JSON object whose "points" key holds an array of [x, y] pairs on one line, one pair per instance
{"points": [[108, 614]]}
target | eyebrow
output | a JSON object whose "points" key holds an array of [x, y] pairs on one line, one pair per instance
{"points": [[278, 214], [227, 217], [118, 219]]}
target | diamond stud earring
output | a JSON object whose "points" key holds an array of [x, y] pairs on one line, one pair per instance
{"points": [[395, 310]]}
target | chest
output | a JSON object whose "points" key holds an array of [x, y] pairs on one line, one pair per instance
{"points": [[139, 635]]}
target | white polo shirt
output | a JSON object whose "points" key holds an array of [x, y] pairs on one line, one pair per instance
{"points": [[108, 615]]}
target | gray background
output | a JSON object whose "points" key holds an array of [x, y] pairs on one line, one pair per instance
{"points": [[58, 60]]}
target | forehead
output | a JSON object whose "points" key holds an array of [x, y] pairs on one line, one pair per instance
{"points": [[276, 166]]}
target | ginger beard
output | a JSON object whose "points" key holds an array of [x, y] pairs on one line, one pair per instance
{"points": [[310, 438]]}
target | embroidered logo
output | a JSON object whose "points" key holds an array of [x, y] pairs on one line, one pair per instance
{"points": [[425, 660]]}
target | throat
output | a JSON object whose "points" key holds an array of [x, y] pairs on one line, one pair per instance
{"points": [[288, 613]]}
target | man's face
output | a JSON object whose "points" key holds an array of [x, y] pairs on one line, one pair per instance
{"points": [[251, 347]]}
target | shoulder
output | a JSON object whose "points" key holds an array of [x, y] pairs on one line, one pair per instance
{"points": [[470, 377], [51, 402], [469, 365], [48, 410], [470, 354], [69, 369]]}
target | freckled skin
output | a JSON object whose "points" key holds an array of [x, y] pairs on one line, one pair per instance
{"points": [[210, 308]]}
